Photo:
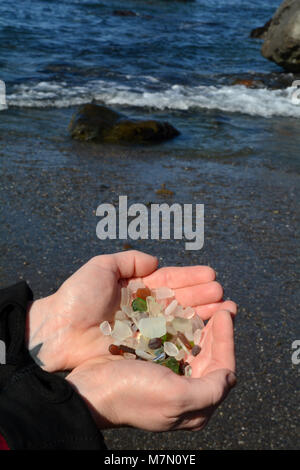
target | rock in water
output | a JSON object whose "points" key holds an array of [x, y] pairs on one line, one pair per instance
{"points": [[91, 122], [282, 40], [260, 32], [99, 123]]}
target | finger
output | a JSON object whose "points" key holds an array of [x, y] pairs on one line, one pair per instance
{"points": [[223, 340], [207, 311], [178, 277], [210, 390], [217, 346], [130, 263], [200, 294]]}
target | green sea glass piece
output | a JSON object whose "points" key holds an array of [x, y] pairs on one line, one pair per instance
{"points": [[172, 364], [166, 337], [139, 305]]}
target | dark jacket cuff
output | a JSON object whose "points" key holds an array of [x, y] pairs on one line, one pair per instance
{"points": [[38, 410]]}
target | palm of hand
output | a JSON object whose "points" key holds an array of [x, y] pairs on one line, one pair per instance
{"points": [[152, 397], [92, 295]]}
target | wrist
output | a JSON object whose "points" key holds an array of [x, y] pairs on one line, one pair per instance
{"points": [[39, 329], [99, 398]]}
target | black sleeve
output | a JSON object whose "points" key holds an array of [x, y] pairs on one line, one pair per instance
{"points": [[38, 410]]}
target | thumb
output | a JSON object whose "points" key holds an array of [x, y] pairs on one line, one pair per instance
{"points": [[210, 390], [129, 264]]}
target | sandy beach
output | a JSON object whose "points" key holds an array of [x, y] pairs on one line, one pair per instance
{"points": [[251, 220]]}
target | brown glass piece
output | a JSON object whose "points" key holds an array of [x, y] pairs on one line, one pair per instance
{"points": [[184, 339], [155, 343], [120, 350], [143, 293], [195, 350], [182, 366]]}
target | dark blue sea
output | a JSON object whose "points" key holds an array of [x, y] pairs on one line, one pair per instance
{"points": [[173, 60]]}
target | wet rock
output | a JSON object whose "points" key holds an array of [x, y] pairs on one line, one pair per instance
{"points": [[260, 32], [99, 123], [282, 40], [91, 122]]}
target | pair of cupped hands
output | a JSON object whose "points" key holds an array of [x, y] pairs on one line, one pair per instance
{"points": [[122, 392]]}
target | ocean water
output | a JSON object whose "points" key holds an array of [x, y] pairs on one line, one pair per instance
{"points": [[174, 60]]}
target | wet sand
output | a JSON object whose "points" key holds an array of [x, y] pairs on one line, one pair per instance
{"points": [[50, 189]]}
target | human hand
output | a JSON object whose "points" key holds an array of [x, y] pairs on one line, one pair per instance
{"points": [[63, 329], [124, 392]]}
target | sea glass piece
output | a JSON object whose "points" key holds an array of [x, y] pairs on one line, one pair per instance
{"points": [[131, 342], [181, 344], [171, 307], [153, 307], [115, 350], [155, 343], [121, 331], [153, 327], [170, 349], [197, 336], [163, 293], [144, 355], [166, 337], [181, 355], [139, 305], [189, 335], [142, 343], [182, 324], [179, 311], [120, 315], [184, 339], [137, 316], [126, 349], [188, 371], [105, 328], [135, 284], [159, 357], [143, 293], [127, 310], [172, 364], [170, 329], [129, 356], [169, 318], [188, 313], [196, 350], [197, 323], [182, 366], [125, 297]]}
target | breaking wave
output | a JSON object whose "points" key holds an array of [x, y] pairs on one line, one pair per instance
{"points": [[237, 99]]}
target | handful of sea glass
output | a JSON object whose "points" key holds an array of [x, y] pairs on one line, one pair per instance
{"points": [[152, 326]]}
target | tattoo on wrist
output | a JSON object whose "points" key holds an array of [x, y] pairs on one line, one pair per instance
{"points": [[34, 354]]}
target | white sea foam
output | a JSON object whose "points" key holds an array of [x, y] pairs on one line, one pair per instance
{"points": [[256, 102]]}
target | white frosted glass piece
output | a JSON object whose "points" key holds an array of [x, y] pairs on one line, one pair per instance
{"points": [[153, 327], [105, 328], [121, 331], [171, 308], [163, 293]]}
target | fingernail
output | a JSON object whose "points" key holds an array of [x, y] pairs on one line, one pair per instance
{"points": [[231, 379]]}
